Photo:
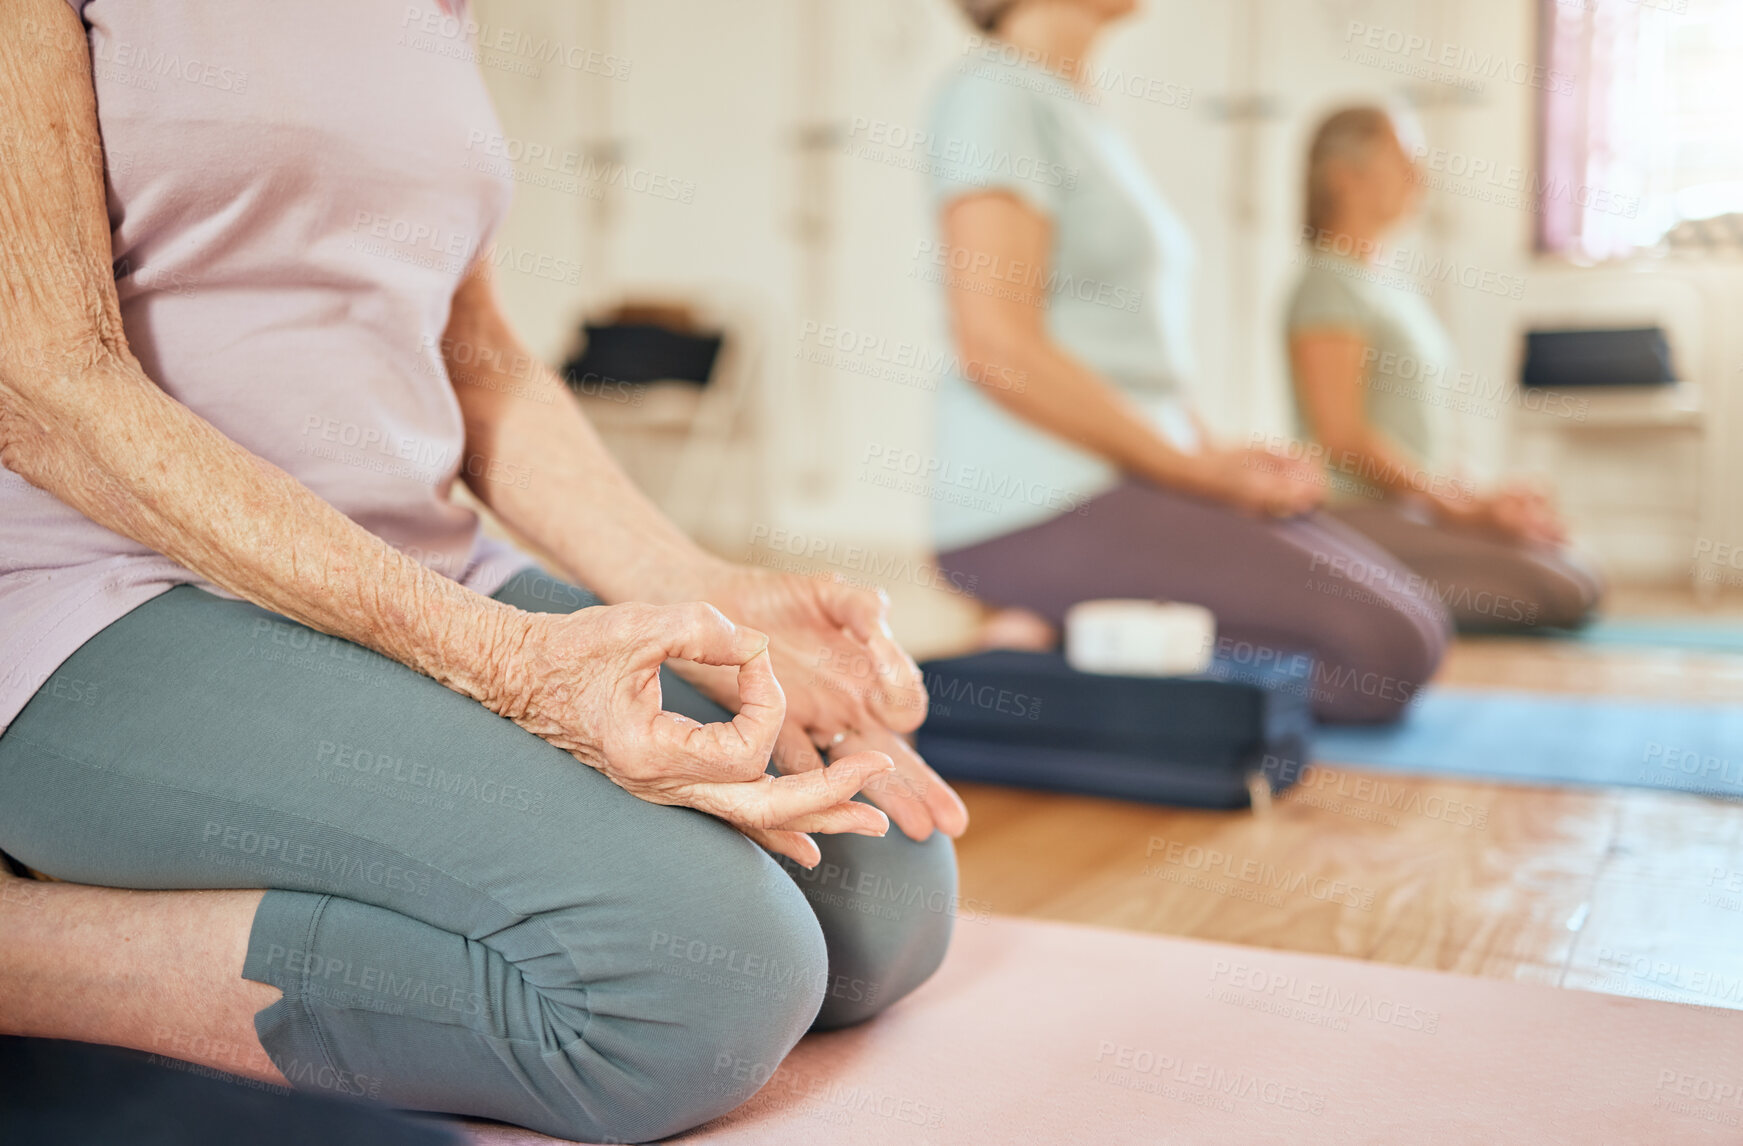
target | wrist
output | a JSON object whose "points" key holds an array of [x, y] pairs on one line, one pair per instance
{"points": [[1187, 473], [667, 571], [694, 576], [469, 643], [1463, 507]]}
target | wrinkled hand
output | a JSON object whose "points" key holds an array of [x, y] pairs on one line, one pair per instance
{"points": [[850, 687], [1258, 481], [589, 682]]}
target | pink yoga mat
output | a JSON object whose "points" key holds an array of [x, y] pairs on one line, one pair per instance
{"points": [[1049, 1033]]}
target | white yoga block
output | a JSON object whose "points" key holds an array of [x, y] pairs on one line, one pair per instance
{"points": [[1139, 638]]}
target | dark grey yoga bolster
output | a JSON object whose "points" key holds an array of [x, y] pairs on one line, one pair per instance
{"points": [[1032, 721]]}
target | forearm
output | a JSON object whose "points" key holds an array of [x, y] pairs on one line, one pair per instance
{"points": [[1330, 378], [536, 461], [101, 437], [1368, 454], [80, 419], [1067, 399], [1060, 394]]}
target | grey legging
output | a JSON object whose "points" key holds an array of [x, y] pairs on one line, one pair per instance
{"points": [[1276, 587], [464, 919]]}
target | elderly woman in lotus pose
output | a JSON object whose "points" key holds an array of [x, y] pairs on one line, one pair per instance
{"points": [[341, 794]]}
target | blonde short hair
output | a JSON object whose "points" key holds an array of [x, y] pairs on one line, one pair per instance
{"points": [[1347, 136]]}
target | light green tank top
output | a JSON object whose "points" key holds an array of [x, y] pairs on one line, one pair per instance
{"points": [[1116, 289], [1408, 366]]}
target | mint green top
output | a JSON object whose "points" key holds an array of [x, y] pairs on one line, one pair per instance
{"points": [[1117, 283], [1408, 367]]}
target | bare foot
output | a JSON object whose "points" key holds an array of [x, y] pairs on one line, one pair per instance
{"points": [[1017, 629]]}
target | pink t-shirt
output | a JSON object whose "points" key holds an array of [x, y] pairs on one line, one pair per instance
{"points": [[295, 190]]}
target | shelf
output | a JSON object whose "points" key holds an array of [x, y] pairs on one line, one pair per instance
{"points": [[1674, 406]]}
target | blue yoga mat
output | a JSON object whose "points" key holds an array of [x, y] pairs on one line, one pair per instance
{"points": [[1716, 635], [1542, 739]]}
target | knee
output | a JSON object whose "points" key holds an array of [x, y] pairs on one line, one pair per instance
{"points": [[887, 909], [1402, 645], [1566, 597], [709, 1007]]}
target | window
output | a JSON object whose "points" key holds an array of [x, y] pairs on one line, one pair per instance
{"points": [[1645, 153]]}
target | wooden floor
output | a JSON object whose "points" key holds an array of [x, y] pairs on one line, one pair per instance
{"points": [[1624, 891]]}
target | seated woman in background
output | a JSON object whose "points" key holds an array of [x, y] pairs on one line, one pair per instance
{"points": [[1088, 474], [1365, 358]]}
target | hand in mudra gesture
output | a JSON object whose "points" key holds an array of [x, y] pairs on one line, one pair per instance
{"points": [[589, 682]]}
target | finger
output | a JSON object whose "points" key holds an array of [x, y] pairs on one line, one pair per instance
{"points": [[700, 633], [747, 741], [794, 751], [917, 798], [776, 800], [900, 703], [862, 612], [851, 818], [865, 614], [797, 846], [738, 749], [905, 801], [897, 695], [684, 751]]}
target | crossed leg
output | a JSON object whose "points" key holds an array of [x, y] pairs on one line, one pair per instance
{"points": [[457, 916]]}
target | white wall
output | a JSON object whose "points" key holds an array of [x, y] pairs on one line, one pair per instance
{"points": [[716, 95]]}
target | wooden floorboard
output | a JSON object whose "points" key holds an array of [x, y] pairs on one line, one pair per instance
{"points": [[1623, 891], [1595, 670]]}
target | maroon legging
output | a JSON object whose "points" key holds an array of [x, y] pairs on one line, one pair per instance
{"points": [[1309, 584], [1489, 584]]}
